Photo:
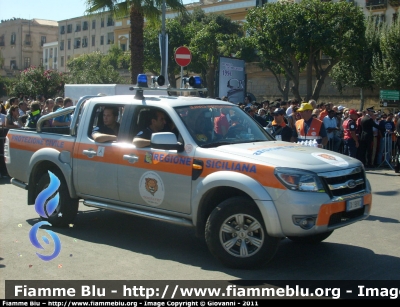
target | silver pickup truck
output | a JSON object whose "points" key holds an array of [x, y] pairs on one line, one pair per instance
{"points": [[243, 192]]}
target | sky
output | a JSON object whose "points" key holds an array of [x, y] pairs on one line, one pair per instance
{"points": [[45, 9]]}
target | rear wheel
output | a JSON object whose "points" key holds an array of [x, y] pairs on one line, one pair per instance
{"points": [[314, 239], [237, 236], [67, 207]]}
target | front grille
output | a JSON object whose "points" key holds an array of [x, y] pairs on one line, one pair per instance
{"points": [[344, 182], [344, 217]]}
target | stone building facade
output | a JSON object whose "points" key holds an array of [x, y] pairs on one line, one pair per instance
{"points": [[21, 43]]}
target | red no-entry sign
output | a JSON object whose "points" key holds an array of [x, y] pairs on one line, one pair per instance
{"points": [[183, 56]]}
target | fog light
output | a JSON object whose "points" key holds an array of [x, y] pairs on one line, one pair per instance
{"points": [[305, 222]]}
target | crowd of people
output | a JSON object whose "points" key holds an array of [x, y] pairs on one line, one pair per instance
{"points": [[24, 112], [372, 136]]}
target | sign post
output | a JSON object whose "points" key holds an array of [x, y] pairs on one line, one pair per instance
{"points": [[183, 57]]}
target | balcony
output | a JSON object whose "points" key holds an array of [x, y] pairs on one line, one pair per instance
{"points": [[394, 3], [375, 4]]}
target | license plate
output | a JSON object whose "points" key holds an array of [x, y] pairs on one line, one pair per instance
{"points": [[354, 204]]}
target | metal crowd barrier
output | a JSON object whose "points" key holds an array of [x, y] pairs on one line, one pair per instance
{"points": [[386, 150]]}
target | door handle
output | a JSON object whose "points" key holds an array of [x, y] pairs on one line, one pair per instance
{"points": [[131, 158], [90, 153]]}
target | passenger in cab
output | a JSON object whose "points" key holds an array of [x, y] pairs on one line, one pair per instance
{"points": [[108, 131]]}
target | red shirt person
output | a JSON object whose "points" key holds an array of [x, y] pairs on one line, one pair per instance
{"points": [[221, 124]]}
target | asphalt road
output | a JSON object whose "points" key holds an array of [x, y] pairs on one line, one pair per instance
{"points": [[104, 245]]}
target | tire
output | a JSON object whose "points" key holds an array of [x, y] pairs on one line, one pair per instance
{"points": [[314, 239], [67, 206], [229, 240]]}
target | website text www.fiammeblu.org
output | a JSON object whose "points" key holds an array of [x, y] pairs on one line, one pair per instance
{"points": [[180, 292]]}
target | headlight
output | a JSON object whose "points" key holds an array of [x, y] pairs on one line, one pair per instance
{"points": [[299, 180]]}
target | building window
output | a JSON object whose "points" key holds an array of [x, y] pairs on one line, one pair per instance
{"points": [[123, 47], [69, 28], [110, 21], [62, 61], [13, 38], [77, 43], [93, 40], [93, 24], [102, 40], [27, 39], [62, 45], [69, 44], [51, 53], [41, 62], [62, 29], [46, 55], [13, 64], [78, 27], [2, 41], [68, 58], [84, 42], [55, 55], [378, 19], [110, 38], [102, 23], [85, 26], [42, 40], [27, 62]]}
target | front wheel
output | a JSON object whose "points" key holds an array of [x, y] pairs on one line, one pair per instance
{"points": [[236, 235], [313, 239], [67, 207]]}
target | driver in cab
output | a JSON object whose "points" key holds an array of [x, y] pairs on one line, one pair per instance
{"points": [[156, 124]]}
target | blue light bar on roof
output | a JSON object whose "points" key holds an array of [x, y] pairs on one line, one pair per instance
{"points": [[142, 80], [195, 82]]}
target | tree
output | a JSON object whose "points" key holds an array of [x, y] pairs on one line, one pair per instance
{"points": [[35, 81], [118, 58], [4, 84], [95, 68], [355, 71], [137, 11], [213, 36], [310, 35], [177, 36], [207, 36], [386, 66]]}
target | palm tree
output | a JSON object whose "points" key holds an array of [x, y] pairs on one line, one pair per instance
{"points": [[137, 10]]}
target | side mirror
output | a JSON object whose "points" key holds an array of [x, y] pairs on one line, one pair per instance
{"points": [[165, 141]]}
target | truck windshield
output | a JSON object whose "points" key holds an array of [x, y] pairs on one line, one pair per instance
{"points": [[215, 125]]}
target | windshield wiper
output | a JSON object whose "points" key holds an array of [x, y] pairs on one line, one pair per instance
{"points": [[216, 144]]}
